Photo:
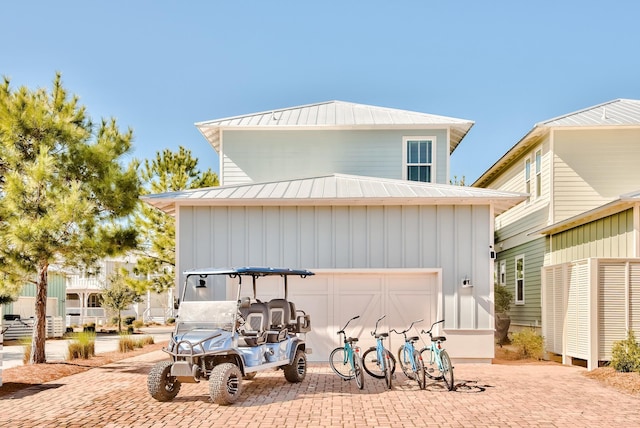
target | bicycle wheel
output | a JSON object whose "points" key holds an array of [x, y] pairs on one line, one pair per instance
{"points": [[430, 366], [371, 365], [358, 372], [419, 372], [339, 364], [404, 359], [388, 371], [447, 370]]}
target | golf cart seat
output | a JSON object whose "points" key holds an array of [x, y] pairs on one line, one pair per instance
{"points": [[256, 317], [279, 317], [300, 321]]}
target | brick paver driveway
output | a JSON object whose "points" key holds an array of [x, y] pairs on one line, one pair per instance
{"points": [[487, 396]]}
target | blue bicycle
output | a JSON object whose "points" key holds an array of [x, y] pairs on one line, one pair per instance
{"points": [[410, 359], [438, 359], [378, 361], [345, 360]]}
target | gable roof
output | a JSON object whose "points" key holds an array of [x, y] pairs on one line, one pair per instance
{"points": [[335, 115], [619, 112], [615, 112], [335, 189]]}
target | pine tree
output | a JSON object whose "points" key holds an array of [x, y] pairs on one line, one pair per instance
{"points": [[64, 192], [168, 172]]}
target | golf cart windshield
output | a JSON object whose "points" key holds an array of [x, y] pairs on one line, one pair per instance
{"points": [[209, 315]]}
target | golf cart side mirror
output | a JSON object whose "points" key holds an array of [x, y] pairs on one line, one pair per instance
{"points": [[245, 302]]}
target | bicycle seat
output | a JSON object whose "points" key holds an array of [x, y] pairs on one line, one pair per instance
{"points": [[379, 335], [414, 339], [352, 339], [438, 339]]}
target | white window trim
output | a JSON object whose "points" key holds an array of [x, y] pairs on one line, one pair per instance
{"points": [[433, 163], [527, 180], [515, 294], [538, 172]]}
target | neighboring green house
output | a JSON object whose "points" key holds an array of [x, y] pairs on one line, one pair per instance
{"points": [[575, 168], [56, 296]]}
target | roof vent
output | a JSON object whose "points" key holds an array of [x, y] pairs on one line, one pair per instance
{"points": [[604, 113]]}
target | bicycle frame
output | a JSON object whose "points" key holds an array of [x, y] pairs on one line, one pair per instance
{"points": [[439, 359], [380, 350], [409, 349], [435, 347], [349, 365]]}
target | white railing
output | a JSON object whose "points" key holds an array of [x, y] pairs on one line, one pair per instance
{"points": [[17, 329], [85, 283]]}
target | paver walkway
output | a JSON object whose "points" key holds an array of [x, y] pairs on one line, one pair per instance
{"points": [[487, 396]]}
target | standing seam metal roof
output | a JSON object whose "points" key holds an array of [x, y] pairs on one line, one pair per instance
{"points": [[335, 189], [336, 114]]}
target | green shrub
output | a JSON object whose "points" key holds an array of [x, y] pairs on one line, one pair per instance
{"points": [[528, 343], [625, 354], [114, 320], [171, 320], [138, 324], [502, 298], [83, 345]]}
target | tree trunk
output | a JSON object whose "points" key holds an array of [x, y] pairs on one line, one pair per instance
{"points": [[39, 329]]}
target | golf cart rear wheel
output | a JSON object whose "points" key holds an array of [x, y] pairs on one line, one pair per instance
{"points": [[225, 384], [297, 370]]}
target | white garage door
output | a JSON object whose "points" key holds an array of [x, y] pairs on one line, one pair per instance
{"points": [[333, 298]]}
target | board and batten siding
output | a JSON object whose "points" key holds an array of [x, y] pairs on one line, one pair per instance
{"points": [[271, 155], [529, 314], [453, 238], [591, 167], [611, 236]]}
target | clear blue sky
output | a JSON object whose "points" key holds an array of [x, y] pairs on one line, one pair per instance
{"points": [[161, 66]]}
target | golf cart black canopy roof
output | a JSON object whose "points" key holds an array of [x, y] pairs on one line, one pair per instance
{"points": [[249, 271]]}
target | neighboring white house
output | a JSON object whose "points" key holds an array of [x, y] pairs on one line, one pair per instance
{"points": [[83, 291], [327, 187], [569, 252]]}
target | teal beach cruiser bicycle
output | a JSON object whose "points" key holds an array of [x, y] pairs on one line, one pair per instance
{"points": [[345, 360], [436, 359], [410, 359], [378, 361]]}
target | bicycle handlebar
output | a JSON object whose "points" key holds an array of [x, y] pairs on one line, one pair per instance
{"points": [[409, 328], [345, 326], [373, 333], [432, 325]]}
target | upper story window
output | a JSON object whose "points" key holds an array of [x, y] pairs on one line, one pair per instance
{"points": [[538, 173], [418, 159]]}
